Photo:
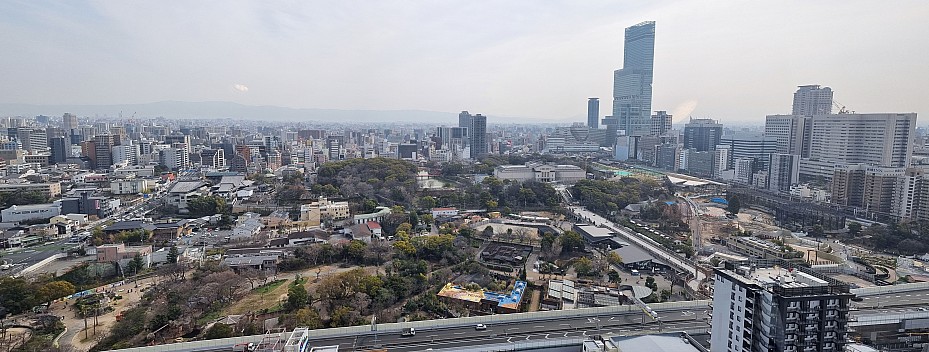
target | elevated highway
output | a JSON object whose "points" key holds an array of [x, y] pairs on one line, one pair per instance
{"points": [[519, 329]]}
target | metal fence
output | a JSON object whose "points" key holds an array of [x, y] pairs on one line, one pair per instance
{"points": [[424, 325]]}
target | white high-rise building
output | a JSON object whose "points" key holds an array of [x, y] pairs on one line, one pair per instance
{"points": [[721, 162], [175, 158], [790, 133], [874, 139], [769, 305], [812, 100], [126, 154]]}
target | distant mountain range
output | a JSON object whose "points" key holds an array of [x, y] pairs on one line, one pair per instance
{"points": [[218, 109]]}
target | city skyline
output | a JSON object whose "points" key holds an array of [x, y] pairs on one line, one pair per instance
{"points": [[421, 58]]}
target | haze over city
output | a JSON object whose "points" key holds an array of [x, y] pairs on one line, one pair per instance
{"points": [[734, 62]]}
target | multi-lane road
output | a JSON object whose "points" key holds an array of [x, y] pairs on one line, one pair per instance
{"points": [[896, 299], [526, 331]]}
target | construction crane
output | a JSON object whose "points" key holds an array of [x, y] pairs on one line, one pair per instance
{"points": [[842, 109]]}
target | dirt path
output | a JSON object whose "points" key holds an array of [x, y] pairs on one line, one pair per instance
{"points": [[534, 302], [75, 335]]}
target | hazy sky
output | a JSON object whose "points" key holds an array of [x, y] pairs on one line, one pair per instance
{"points": [[735, 61]]}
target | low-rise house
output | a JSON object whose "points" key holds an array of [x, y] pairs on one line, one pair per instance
{"points": [[168, 231], [306, 237], [379, 215], [259, 261], [19, 213], [444, 212], [122, 254], [246, 229], [124, 226]]}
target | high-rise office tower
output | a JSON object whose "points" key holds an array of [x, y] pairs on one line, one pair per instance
{"points": [[478, 134], [334, 147], [593, 112], [661, 123], [750, 146], [69, 122], [812, 100], [59, 150], [632, 84], [702, 134], [464, 120], [771, 305], [103, 145]]}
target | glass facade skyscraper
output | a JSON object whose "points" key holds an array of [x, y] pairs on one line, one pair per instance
{"points": [[632, 84]]}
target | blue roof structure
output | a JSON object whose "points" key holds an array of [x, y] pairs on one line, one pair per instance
{"points": [[720, 201], [510, 300]]}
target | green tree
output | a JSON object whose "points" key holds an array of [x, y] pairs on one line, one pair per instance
{"points": [[307, 317], [584, 267], [665, 295], [572, 241], [344, 316], [614, 277], [218, 331], [55, 290], [735, 204], [650, 283], [817, 231], [207, 206], [297, 297], [615, 259], [173, 255], [426, 202], [854, 228], [427, 219]]}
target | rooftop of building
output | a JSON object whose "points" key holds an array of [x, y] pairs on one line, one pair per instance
{"points": [[596, 231], [508, 300], [783, 278], [668, 342], [186, 186]]}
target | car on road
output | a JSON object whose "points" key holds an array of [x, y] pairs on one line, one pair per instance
{"points": [[480, 327], [857, 299], [408, 332]]}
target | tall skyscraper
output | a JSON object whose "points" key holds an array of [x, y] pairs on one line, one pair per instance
{"points": [[478, 135], [770, 305], [812, 100], [702, 134], [464, 120], [593, 112], [632, 84]]}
